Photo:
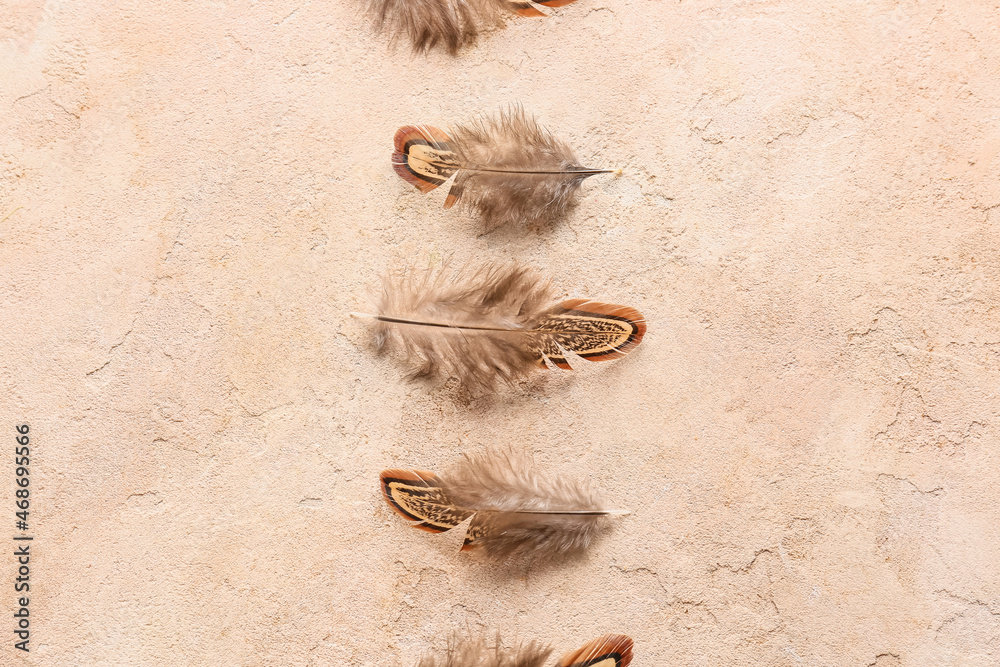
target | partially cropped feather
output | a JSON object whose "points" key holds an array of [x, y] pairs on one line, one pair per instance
{"points": [[516, 512], [495, 324], [478, 652], [467, 651], [451, 24], [507, 169]]}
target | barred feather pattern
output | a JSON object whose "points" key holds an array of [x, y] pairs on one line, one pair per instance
{"points": [[513, 170], [495, 324], [497, 296], [478, 652]]}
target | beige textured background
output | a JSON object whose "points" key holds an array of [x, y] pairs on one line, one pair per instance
{"points": [[194, 194]]}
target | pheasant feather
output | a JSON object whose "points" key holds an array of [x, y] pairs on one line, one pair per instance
{"points": [[450, 24], [507, 169], [516, 512], [495, 324], [466, 651], [478, 652]]}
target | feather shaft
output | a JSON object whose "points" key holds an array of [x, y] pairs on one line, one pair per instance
{"points": [[577, 512], [465, 167], [397, 320], [578, 172]]}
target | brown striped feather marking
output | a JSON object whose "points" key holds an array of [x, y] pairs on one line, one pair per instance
{"points": [[477, 528], [481, 524], [592, 330], [554, 3], [417, 496], [423, 157], [606, 651]]}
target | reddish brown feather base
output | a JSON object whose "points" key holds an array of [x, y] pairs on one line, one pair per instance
{"points": [[404, 137], [399, 166]]}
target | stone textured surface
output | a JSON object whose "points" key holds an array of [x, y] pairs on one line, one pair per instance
{"points": [[194, 194]]}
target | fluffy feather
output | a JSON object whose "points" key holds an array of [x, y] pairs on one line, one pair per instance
{"points": [[507, 169], [516, 512], [495, 324], [451, 24], [467, 651]]}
